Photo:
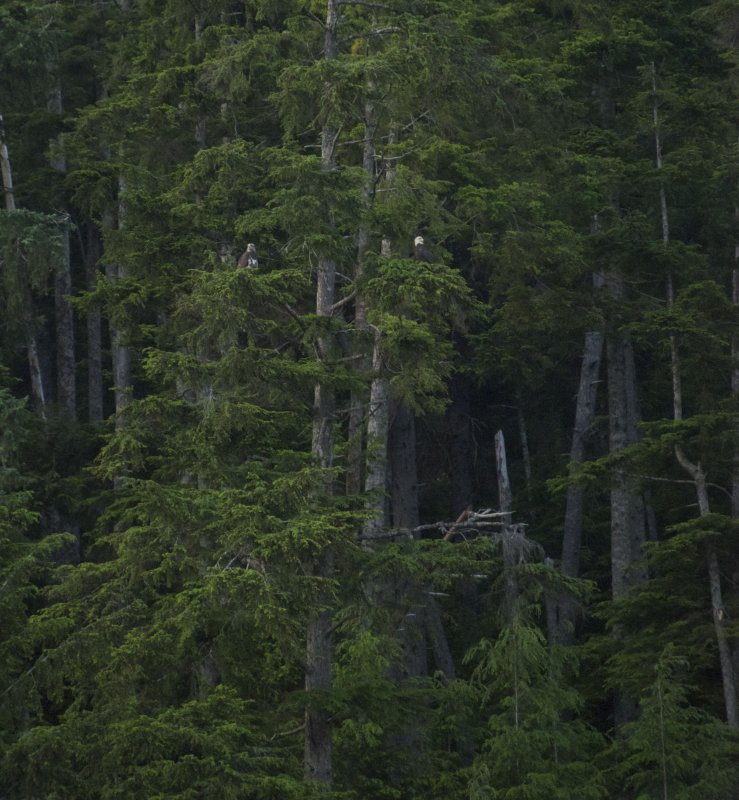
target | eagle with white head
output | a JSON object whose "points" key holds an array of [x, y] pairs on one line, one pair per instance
{"points": [[249, 257], [421, 251]]}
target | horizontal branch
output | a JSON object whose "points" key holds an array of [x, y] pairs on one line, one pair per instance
{"points": [[292, 731], [366, 3], [687, 481], [475, 521]]}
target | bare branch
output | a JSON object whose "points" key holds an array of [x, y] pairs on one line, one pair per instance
{"points": [[292, 731], [341, 303], [365, 3]]}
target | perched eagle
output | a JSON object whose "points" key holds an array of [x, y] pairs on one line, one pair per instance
{"points": [[249, 257], [421, 251]]}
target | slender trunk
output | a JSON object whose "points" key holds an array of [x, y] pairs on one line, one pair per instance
{"points": [[525, 454], [65, 345], [572, 535], [735, 384], [404, 474], [93, 251], [358, 397], [66, 391], [735, 396], [677, 397], [7, 172], [317, 750], [120, 352], [627, 506], [377, 435], [505, 498], [698, 475], [584, 416], [511, 533], [696, 471], [38, 392]]}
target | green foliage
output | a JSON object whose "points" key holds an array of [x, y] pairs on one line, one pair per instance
{"points": [[30, 250], [159, 649], [535, 746], [675, 749]]}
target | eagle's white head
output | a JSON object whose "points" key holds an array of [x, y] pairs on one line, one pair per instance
{"points": [[418, 240]]}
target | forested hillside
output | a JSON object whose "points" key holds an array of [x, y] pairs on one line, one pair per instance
{"points": [[368, 399]]}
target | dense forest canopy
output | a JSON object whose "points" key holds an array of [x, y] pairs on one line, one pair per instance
{"points": [[296, 504]]}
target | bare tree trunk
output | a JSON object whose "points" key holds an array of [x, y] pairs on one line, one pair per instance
{"points": [[120, 352], [735, 384], [38, 392], [317, 750], [511, 533], [355, 449], [403, 470], [584, 416], [717, 604], [696, 471], [572, 536], [377, 436], [677, 396], [378, 410], [627, 506], [505, 497]]}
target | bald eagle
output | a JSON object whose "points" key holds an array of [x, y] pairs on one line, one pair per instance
{"points": [[421, 251], [249, 257]]}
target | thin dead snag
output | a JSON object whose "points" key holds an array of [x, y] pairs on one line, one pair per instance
{"points": [[696, 472]]}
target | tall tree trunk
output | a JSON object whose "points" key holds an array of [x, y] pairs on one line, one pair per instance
{"points": [[511, 534], [505, 497], [677, 395], [584, 416], [403, 469], [38, 392], [355, 448], [728, 682], [119, 350], [525, 454], [92, 253], [377, 435], [66, 390], [735, 382], [696, 471], [627, 505], [572, 536], [318, 668]]}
